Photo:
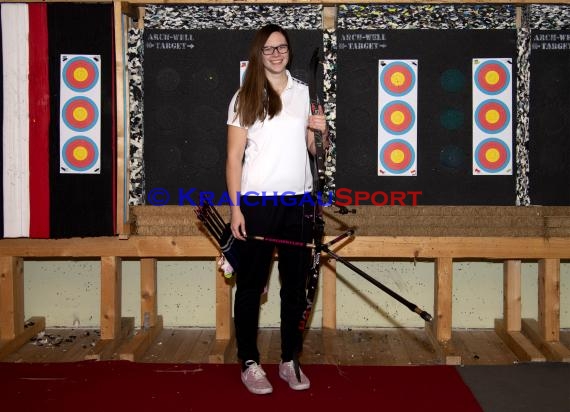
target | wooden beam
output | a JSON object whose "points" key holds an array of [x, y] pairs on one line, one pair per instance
{"points": [[133, 246], [445, 351], [518, 343], [293, 2], [11, 297], [512, 295], [221, 351], [418, 247], [554, 350], [32, 327], [134, 349], [110, 297], [426, 247], [105, 349], [130, 10]]}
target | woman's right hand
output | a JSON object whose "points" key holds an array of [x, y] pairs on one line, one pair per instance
{"points": [[237, 224]]}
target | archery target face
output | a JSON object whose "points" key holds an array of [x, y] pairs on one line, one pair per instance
{"points": [[80, 153], [80, 74], [397, 78], [492, 155], [397, 156], [492, 116], [80, 108], [397, 117], [492, 77], [397, 108], [80, 114]]}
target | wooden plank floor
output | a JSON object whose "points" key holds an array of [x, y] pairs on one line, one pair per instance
{"points": [[341, 347]]}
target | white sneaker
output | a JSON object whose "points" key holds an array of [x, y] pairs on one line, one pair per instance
{"points": [[254, 379], [287, 373]]}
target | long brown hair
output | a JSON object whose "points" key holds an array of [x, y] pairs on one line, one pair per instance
{"points": [[257, 99]]}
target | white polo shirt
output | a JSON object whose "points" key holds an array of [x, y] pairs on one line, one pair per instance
{"points": [[276, 159]]}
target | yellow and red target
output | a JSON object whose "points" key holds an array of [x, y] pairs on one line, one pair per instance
{"points": [[397, 117], [492, 116], [492, 77], [397, 78], [80, 74], [80, 113], [492, 113], [80, 153], [492, 155], [397, 156]]}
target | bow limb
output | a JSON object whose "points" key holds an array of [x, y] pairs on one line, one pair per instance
{"points": [[318, 189]]}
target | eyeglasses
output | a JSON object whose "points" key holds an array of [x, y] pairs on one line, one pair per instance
{"points": [[269, 50]]}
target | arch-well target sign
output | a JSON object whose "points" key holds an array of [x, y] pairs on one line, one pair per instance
{"points": [[80, 108]]}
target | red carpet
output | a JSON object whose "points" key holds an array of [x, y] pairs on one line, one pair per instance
{"points": [[121, 385]]}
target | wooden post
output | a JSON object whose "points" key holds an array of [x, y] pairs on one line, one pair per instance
{"points": [[512, 295], [545, 333], [121, 100], [224, 324], [439, 332], [110, 297], [443, 298], [329, 17], [549, 299], [11, 297], [14, 332], [149, 304], [329, 294], [151, 323], [509, 328], [223, 306]]}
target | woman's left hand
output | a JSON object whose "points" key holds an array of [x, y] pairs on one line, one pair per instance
{"points": [[318, 121]]}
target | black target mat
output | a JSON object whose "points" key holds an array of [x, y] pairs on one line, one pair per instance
{"points": [[549, 118], [189, 79], [444, 118]]}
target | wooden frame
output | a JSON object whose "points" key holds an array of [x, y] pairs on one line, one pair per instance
{"points": [[524, 340]]}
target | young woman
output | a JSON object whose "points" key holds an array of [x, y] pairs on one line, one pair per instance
{"points": [[268, 173]]}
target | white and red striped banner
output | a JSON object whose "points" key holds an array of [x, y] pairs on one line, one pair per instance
{"points": [[26, 109]]}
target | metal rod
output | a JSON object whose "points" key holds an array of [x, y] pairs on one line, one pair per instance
{"points": [[423, 314]]}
